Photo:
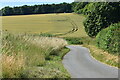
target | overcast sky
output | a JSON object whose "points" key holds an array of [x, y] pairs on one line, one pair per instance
{"points": [[13, 3]]}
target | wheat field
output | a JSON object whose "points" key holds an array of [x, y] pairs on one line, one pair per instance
{"points": [[45, 23]]}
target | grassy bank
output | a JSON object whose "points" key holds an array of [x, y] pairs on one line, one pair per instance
{"points": [[99, 54], [33, 56], [104, 56]]}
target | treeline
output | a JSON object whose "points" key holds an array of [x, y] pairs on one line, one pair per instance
{"points": [[37, 9], [103, 21]]}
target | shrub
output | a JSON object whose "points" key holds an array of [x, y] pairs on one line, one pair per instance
{"points": [[72, 40], [109, 39], [46, 35], [100, 16]]}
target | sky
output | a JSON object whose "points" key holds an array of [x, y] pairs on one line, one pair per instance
{"points": [[13, 3]]}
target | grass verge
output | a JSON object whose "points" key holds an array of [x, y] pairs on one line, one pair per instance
{"points": [[27, 56], [99, 54], [53, 68], [103, 56]]}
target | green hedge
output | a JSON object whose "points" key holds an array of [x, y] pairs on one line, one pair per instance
{"points": [[73, 40], [100, 15], [109, 39]]}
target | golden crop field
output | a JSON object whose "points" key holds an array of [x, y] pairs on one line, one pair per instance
{"points": [[45, 23]]}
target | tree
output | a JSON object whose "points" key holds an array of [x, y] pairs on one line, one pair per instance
{"points": [[17, 11], [38, 9], [101, 16], [7, 11], [77, 7]]}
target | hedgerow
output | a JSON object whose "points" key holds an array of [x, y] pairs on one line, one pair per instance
{"points": [[109, 39]]}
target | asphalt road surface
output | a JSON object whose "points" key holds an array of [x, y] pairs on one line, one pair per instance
{"points": [[80, 64]]}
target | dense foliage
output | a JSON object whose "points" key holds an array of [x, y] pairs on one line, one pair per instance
{"points": [[78, 6], [109, 38], [37, 9], [87, 9], [73, 40], [100, 15]]}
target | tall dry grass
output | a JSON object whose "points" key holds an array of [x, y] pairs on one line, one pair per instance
{"points": [[22, 52], [47, 42], [104, 56], [12, 66], [0, 65]]}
